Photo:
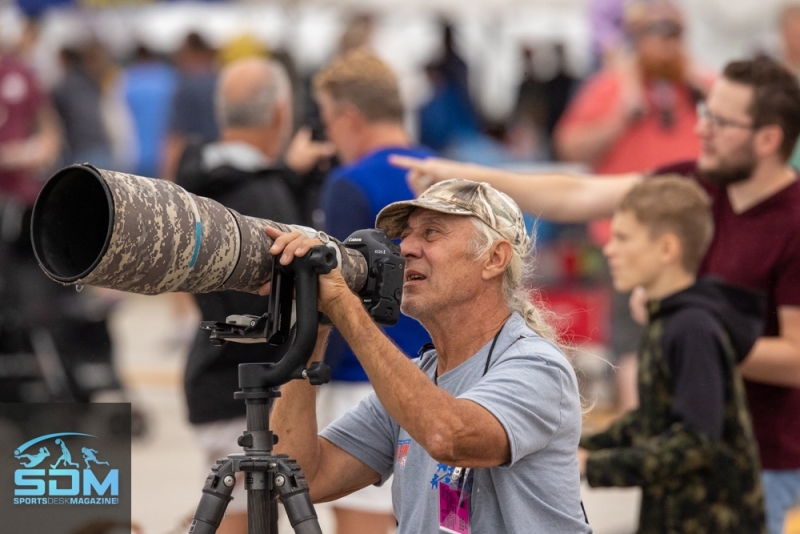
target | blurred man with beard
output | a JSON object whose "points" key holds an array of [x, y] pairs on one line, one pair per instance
{"points": [[748, 127], [638, 112]]}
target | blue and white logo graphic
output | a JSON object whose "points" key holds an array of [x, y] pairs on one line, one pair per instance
{"points": [[64, 482]]}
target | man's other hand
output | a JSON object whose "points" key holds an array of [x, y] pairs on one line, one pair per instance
{"points": [[423, 173], [304, 154]]}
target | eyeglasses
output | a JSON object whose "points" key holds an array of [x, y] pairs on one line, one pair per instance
{"points": [[663, 28], [716, 122]]}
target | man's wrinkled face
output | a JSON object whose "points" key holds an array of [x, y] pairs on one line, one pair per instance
{"points": [[726, 134], [441, 271]]}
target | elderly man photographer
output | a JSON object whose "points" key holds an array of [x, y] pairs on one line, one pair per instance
{"points": [[481, 430]]}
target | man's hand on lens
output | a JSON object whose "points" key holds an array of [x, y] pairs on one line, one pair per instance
{"points": [[286, 247]]}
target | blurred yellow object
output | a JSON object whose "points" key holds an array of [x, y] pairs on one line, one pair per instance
{"points": [[242, 47], [792, 525]]}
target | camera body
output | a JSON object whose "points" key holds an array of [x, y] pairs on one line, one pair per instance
{"points": [[383, 290]]}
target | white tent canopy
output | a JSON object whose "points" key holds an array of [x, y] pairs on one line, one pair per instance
{"points": [[489, 32]]}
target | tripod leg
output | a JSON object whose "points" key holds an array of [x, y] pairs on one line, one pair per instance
{"points": [[216, 496], [292, 487]]}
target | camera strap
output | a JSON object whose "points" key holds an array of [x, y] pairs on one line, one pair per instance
{"points": [[428, 346]]}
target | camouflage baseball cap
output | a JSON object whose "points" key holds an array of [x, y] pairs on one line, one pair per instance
{"points": [[462, 197]]}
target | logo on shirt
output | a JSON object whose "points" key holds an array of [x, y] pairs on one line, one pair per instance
{"points": [[444, 473], [401, 452]]}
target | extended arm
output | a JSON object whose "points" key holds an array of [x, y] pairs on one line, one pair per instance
{"points": [[555, 197], [776, 360]]}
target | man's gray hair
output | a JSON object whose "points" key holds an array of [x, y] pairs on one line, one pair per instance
{"points": [[517, 278], [259, 108]]}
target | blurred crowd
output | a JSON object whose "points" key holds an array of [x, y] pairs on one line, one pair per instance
{"points": [[187, 116]]}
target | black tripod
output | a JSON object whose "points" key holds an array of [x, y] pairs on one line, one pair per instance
{"points": [[267, 475]]}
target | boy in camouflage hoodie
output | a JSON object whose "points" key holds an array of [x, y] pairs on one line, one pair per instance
{"points": [[690, 444]]}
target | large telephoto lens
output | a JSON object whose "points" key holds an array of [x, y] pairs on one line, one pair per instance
{"points": [[110, 229]]}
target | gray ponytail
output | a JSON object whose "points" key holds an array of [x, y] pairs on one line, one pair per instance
{"points": [[519, 273]]}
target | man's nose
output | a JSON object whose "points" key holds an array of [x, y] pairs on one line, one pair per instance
{"points": [[607, 249], [702, 128], [410, 247]]}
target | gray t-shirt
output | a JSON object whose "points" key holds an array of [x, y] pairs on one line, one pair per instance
{"points": [[531, 388]]}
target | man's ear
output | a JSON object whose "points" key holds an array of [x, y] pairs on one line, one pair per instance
{"points": [[768, 140], [497, 259], [351, 114], [671, 248], [282, 114]]}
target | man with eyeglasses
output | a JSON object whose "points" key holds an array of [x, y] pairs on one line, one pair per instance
{"points": [[747, 127]]}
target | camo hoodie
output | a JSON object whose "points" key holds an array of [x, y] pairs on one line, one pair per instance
{"points": [[690, 444]]}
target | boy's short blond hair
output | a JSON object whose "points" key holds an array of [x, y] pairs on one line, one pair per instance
{"points": [[363, 80], [678, 205]]}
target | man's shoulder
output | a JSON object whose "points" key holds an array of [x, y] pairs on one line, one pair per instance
{"points": [[790, 197], [686, 168], [606, 82], [520, 341], [378, 160], [219, 170], [691, 321], [373, 171]]}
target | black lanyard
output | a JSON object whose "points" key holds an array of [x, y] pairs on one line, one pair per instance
{"points": [[488, 357]]}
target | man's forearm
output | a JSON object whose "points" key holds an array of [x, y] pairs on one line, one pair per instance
{"points": [[676, 452], [557, 197], [618, 434], [402, 388], [775, 361], [294, 418], [442, 424]]}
